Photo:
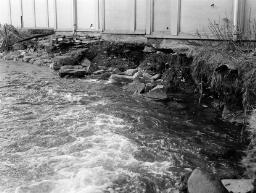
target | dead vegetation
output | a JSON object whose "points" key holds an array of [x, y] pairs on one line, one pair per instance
{"points": [[250, 160]]}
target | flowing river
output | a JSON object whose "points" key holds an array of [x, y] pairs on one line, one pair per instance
{"points": [[89, 136]]}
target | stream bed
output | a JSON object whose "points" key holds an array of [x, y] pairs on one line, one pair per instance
{"points": [[89, 136]]}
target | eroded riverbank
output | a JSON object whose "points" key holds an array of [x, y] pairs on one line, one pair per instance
{"points": [[85, 135]]}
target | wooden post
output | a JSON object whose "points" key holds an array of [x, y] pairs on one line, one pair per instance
{"points": [[134, 15], [47, 12], [102, 15], [10, 11], [34, 6], [56, 15], [242, 21], [74, 16], [149, 16], [175, 17], [236, 20], [21, 14], [98, 14]]}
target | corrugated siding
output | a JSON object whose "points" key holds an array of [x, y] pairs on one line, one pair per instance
{"points": [[195, 14], [4, 12], [162, 16], [16, 12], [64, 14], [88, 15], [51, 12], [41, 13], [154, 17], [28, 13], [119, 16]]}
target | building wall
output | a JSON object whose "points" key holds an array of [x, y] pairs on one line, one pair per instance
{"points": [[155, 18]]}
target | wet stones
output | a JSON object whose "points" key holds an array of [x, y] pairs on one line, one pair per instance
{"points": [[201, 181], [136, 87], [157, 93], [130, 72], [117, 78]]}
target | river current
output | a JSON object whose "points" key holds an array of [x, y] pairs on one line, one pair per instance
{"points": [[89, 136]]}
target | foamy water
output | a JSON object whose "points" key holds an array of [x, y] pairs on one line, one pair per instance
{"points": [[88, 136]]}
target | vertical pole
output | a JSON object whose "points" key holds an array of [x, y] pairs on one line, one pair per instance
{"points": [[236, 20], [10, 11], [102, 13], [149, 16], [179, 15], [175, 17], [74, 16], [56, 15], [21, 14], [134, 15], [47, 12], [34, 4], [98, 14]]}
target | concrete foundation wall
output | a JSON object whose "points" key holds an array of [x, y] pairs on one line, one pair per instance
{"points": [[153, 18]]}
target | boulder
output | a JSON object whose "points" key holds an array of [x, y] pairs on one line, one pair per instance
{"points": [[1, 55], [62, 61], [130, 72], [27, 58], [105, 76], [157, 93], [86, 62], [149, 86], [137, 75], [78, 55], [76, 73], [238, 185], [136, 87], [91, 68], [116, 71], [201, 181], [148, 49], [156, 76], [99, 72], [117, 78]]}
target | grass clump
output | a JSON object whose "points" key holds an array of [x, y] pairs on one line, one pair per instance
{"points": [[250, 160], [9, 35]]}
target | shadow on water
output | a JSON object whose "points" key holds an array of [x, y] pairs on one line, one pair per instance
{"points": [[65, 135]]}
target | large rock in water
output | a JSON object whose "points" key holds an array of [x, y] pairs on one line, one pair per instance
{"points": [[203, 182], [60, 61], [238, 185], [136, 87], [157, 93], [130, 72]]}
